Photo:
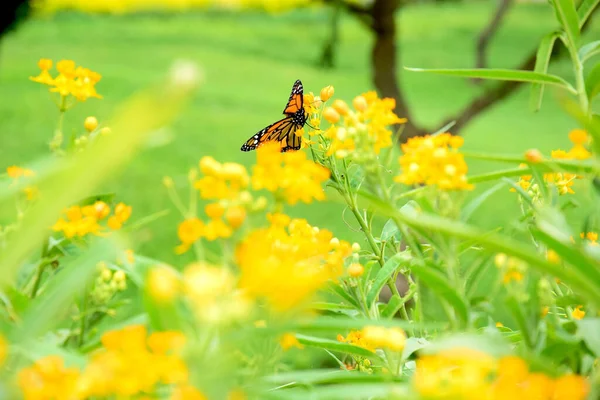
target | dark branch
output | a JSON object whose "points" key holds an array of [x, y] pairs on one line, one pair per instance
{"points": [[489, 31]]}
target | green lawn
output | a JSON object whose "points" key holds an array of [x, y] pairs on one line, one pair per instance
{"points": [[250, 61]]}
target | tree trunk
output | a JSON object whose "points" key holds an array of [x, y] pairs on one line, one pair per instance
{"points": [[384, 60]]}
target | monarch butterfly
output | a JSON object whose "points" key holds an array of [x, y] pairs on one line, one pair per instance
{"points": [[284, 130]]}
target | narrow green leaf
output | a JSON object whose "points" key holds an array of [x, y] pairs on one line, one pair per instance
{"points": [[337, 289], [524, 195], [440, 285], [542, 61], [495, 175], [592, 82], [337, 325], [413, 345], [568, 19], [589, 50], [353, 391], [589, 330], [333, 307], [60, 292], [585, 10], [334, 345], [392, 307], [516, 310], [502, 75], [474, 204], [390, 229], [384, 274], [321, 376]]}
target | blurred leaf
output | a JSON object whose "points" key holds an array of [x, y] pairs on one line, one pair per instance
{"points": [[106, 197], [439, 284], [413, 345], [568, 19], [72, 177], [468, 210], [516, 309], [343, 391], [339, 324], [48, 309], [337, 289], [589, 330], [385, 273], [592, 125], [541, 66], [322, 376], [390, 229], [334, 345], [585, 10], [503, 75], [492, 345], [589, 50], [592, 81], [334, 307]]}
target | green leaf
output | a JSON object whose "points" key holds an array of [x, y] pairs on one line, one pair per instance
{"points": [[353, 391], [589, 50], [438, 283], [474, 204], [413, 345], [541, 66], [502, 75], [320, 376], [337, 289], [337, 325], [390, 229], [592, 82], [334, 345], [385, 273], [516, 310], [568, 19], [589, 330], [58, 295], [585, 10], [392, 307]]}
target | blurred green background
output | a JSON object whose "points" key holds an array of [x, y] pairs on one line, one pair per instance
{"points": [[250, 60]]}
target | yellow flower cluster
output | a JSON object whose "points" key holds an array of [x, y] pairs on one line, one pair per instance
{"points": [[130, 363], [562, 180], [376, 337], [434, 160], [592, 238], [364, 130], [465, 374], [71, 80], [132, 6], [290, 176], [226, 183], [83, 220], [289, 261]]}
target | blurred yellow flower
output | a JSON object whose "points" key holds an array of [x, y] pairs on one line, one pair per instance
{"points": [[592, 238], [289, 175], [90, 124], [15, 172], [188, 232], [163, 284], [187, 392], [289, 340], [121, 215], [289, 261], [327, 92], [578, 313], [434, 160], [48, 378]]}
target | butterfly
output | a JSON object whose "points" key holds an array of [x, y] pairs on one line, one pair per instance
{"points": [[284, 130]]}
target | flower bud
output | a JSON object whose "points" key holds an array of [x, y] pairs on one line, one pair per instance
{"points": [[90, 124], [355, 270], [533, 155], [327, 92], [105, 131], [341, 107], [235, 216], [360, 103], [331, 115]]}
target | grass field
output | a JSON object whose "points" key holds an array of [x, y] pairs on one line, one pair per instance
{"points": [[250, 61]]}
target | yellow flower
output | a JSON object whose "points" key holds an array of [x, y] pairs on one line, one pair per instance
{"points": [[571, 387], [188, 232], [434, 160], [122, 214], [3, 350], [15, 172], [578, 137], [357, 338], [289, 174], [592, 238], [355, 270], [48, 378], [76, 223], [289, 340], [331, 115], [289, 261], [578, 313], [533, 156], [221, 181], [552, 256], [90, 124], [78, 82], [163, 284], [235, 216], [187, 392], [130, 363]]}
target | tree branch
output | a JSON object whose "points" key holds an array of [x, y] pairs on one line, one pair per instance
{"points": [[488, 33]]}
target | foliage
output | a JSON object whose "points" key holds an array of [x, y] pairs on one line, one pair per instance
{"points": [[269, 295]]}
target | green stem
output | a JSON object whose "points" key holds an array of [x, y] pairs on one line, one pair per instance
{"points": [[40, 268]]}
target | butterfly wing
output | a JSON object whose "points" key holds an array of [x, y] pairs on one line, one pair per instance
{"points": [[283, 131], [296, 101]]}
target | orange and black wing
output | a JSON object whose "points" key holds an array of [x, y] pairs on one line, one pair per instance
{"points": [[283, 131], [296, 101]]}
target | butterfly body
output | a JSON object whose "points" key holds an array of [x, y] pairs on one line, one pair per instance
{"points": [[284, 130]]}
